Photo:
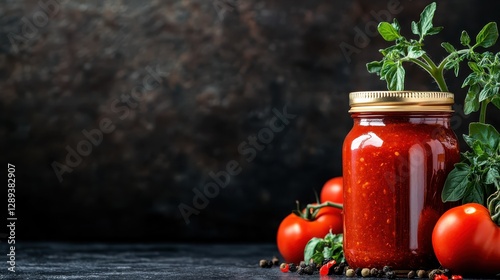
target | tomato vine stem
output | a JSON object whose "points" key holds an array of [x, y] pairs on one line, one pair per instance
{"points": [[494, 207], [312, 210]]}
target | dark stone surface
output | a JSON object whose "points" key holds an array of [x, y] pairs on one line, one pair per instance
{"points": [[39, 261], [142, 261], [222, 69]]}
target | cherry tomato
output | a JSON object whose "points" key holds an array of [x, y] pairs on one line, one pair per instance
{"points": [[467, 241], [294, 232], [333, 191]]}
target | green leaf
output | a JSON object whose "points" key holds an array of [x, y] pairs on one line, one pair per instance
{"points": [[475, 193], [455, 185], [414, 28], [434, 30], [448, 47], [488, 36], [394, 74], [478, 148], [312, 246], [396, 25], [388, 32], [456, 68], [496, 101], [425, 22], [327, 253], [473, 66], [415, 52], [470, 80], [374, 67], [471, 100], [486, 92], [465, 38], [492, 176], [485, 133]]}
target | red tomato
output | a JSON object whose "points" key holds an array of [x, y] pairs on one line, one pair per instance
{"points": [[333, 191], [467, 242], [294, 232]]}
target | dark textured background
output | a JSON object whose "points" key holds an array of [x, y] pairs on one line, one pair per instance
{"points": [[229, 64]]}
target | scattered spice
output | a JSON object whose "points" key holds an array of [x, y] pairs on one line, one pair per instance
{"points": [[421, 273], [350, 272], [365, 272]]}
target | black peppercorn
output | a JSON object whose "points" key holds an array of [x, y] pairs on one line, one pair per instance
{"points": [[276, 261], [338, 270], [263, 263], [373, 272], [300, 270], [302, 264], [386, 269], [411, 274], [390, 274], [309, 270], [358, 271], [292, 267], [312, 264]]}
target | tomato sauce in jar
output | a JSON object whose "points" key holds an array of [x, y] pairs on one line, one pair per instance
{"points": [[395, 162]]}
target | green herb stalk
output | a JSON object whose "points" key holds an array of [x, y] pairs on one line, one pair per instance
{"points": [[477, 176]]}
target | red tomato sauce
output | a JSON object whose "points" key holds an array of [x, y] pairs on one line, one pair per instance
{"points": [[394, 168]]}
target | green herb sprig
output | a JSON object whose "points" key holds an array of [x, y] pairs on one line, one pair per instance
{"points": [[330, 247], [477, 176]]}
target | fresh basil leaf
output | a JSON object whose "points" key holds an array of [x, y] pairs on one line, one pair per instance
{"points": [[488, 36], [492, 176], [388, 32], [485, 133], [455, 185], [448, 47], [317, 257], [465, 38], [311, 247], [475, 193], [337, 239], [478, 148], [327, 252]]}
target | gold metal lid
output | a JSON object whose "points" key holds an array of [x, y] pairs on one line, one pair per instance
{"points": [[400, 101]]}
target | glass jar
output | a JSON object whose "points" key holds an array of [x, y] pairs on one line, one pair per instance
{"points": [[395, 161]]}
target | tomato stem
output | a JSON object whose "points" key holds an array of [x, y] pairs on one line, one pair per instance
{"points": [[312, 210], [494, 207]]}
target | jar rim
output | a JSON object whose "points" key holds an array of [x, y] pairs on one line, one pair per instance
{"points": [[400, 101]]}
